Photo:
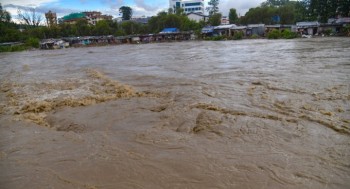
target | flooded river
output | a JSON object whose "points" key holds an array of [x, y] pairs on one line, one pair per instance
{"points": [[228, 114]]}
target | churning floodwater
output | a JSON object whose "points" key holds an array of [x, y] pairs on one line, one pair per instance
{"points": [[227, 114]]}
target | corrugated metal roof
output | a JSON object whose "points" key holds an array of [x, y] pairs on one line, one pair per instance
{"points": [[304, 24], [343, 20], [255, 25], [239, 27], [229, 26]]}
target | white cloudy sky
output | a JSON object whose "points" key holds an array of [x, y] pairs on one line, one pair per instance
{"points": [[242, 6], [140, 7]]}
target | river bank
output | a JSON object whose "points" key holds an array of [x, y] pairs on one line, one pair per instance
{"points": [[85, 41]]}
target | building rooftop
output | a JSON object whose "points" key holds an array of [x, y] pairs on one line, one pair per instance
{"points": [[73, 16], [228, 26], [304, 24], [197, 13]]}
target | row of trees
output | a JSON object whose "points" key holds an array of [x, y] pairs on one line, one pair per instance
{"points": [[287, 12], [290, 12], [9, 31]]}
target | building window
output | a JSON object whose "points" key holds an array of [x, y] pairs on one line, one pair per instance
{"points": [[192, 4]]}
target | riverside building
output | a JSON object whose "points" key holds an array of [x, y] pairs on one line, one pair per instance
{"points": [[189, 6]]}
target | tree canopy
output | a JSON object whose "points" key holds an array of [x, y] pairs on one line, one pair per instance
{"points": [[126, 12], [215, 19], [321, 10], [4, 15], [213, 7], [295, 11], [233, 17], [288, 12]]}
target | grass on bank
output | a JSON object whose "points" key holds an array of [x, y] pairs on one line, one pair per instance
{"points": [[29, 44]]}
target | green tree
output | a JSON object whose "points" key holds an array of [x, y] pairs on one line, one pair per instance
{"points": [[233, 16], [156, 23], [287, 14], [172, 21], [163, 20], [275, 3], [213, 7], [259, 15], [36, 32], [52, 32], [83, 28], [215, 19], [68, 30], [288, 11], [322, 10], [4, 15], [126, 11], [301, 12], [130, 27], [102, 28], [9, 33]]}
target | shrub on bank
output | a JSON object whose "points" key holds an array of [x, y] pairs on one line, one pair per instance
{"points": [[345, 31], [254, 36], [274, 34], [287, 34], [238, 35], [328, 32], [32, 42], [218, 38]]}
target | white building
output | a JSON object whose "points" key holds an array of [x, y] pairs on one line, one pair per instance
{"points": [[225, 20], [196, 6], [197, 17]]}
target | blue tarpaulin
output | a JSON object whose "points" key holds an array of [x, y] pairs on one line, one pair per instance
{"points": [[276, 18], [170, 30]]}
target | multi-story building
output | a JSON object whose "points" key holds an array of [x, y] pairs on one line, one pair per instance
{"points": [[195, 6], [72, 18], [197, 17], [92, 17]]}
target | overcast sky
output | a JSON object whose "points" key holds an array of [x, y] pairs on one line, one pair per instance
{"points": [[140, 7]]}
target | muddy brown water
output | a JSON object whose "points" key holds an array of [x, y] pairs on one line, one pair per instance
{"points": [[229, 114]]}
